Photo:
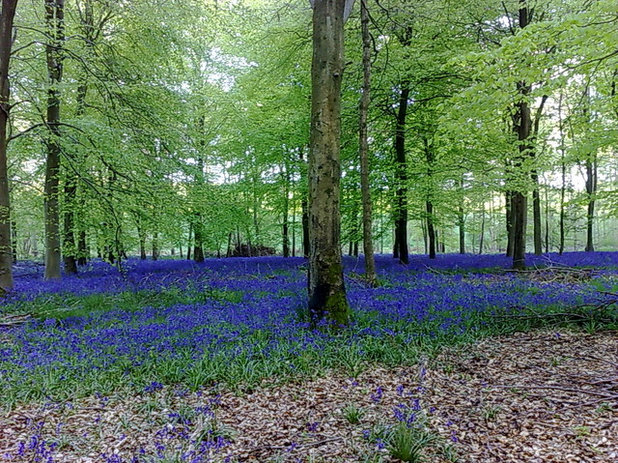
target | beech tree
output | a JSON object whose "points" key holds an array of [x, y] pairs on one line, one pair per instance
{"points": [[327, 297], [7, 16]]}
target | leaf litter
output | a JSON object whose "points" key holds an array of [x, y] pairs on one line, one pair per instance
{"points": [[529, 397]]}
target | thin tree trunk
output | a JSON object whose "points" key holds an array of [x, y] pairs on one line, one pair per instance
{"points": [[14, 240], [6, 43], [69, 250], [547, 246], [294, 225], [189, 241], [509, 223], [482, 237], [401, 176], [563, 178], [431, 232], [327, 296], [228, 252], [155, 246], [536, 213], [591, 188], [54, 16], [142, 242], [198, 226], [461, 221], [285, 232], [370, 266]]}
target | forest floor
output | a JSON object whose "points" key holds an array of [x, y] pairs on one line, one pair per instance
{"points": [[544, 396]]}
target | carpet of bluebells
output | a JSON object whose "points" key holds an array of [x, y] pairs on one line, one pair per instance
{"points": [[240, 321]]}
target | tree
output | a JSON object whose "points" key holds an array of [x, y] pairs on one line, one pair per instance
{"points": [[6, 42], [327, 297], [370, 266], [54, 18]]}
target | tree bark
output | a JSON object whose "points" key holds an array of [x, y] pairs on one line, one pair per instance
{"points": [[509, 222], [591, 188], [482, 237], [285, 229], [523, 128], [401, 176], [54, 17], [69, 250], [6, 42], [155, 246], [536, 213], [370, 265], [563, 177], [14, 240], [461, 219], [327, 296], [431, 232]]}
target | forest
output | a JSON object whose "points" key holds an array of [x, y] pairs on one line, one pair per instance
{"points": [[308, 231]]}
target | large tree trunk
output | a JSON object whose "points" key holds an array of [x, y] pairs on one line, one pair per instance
{"points": [[54, 16], [6, 42], [401, 176], [370, 265], [327, 297]]}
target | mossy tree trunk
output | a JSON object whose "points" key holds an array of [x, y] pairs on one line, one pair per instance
{"points": [[327, 296]]}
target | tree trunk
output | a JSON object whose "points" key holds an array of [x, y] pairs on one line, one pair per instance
{"points": [[509, 223], [305, 223], [563, 178], [482, 237], [401, 176], [285, 232], [14, 240], [431, 232], [547, 244], [54, 16], [522, 124], [461, 219], [142, 241], [155, 246], [198, 226], [189, 243], [69, 250], [327, 296], [591, 188], [370, 266], [294, 226], [6, 43], [198, 239], [536, 213]]}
